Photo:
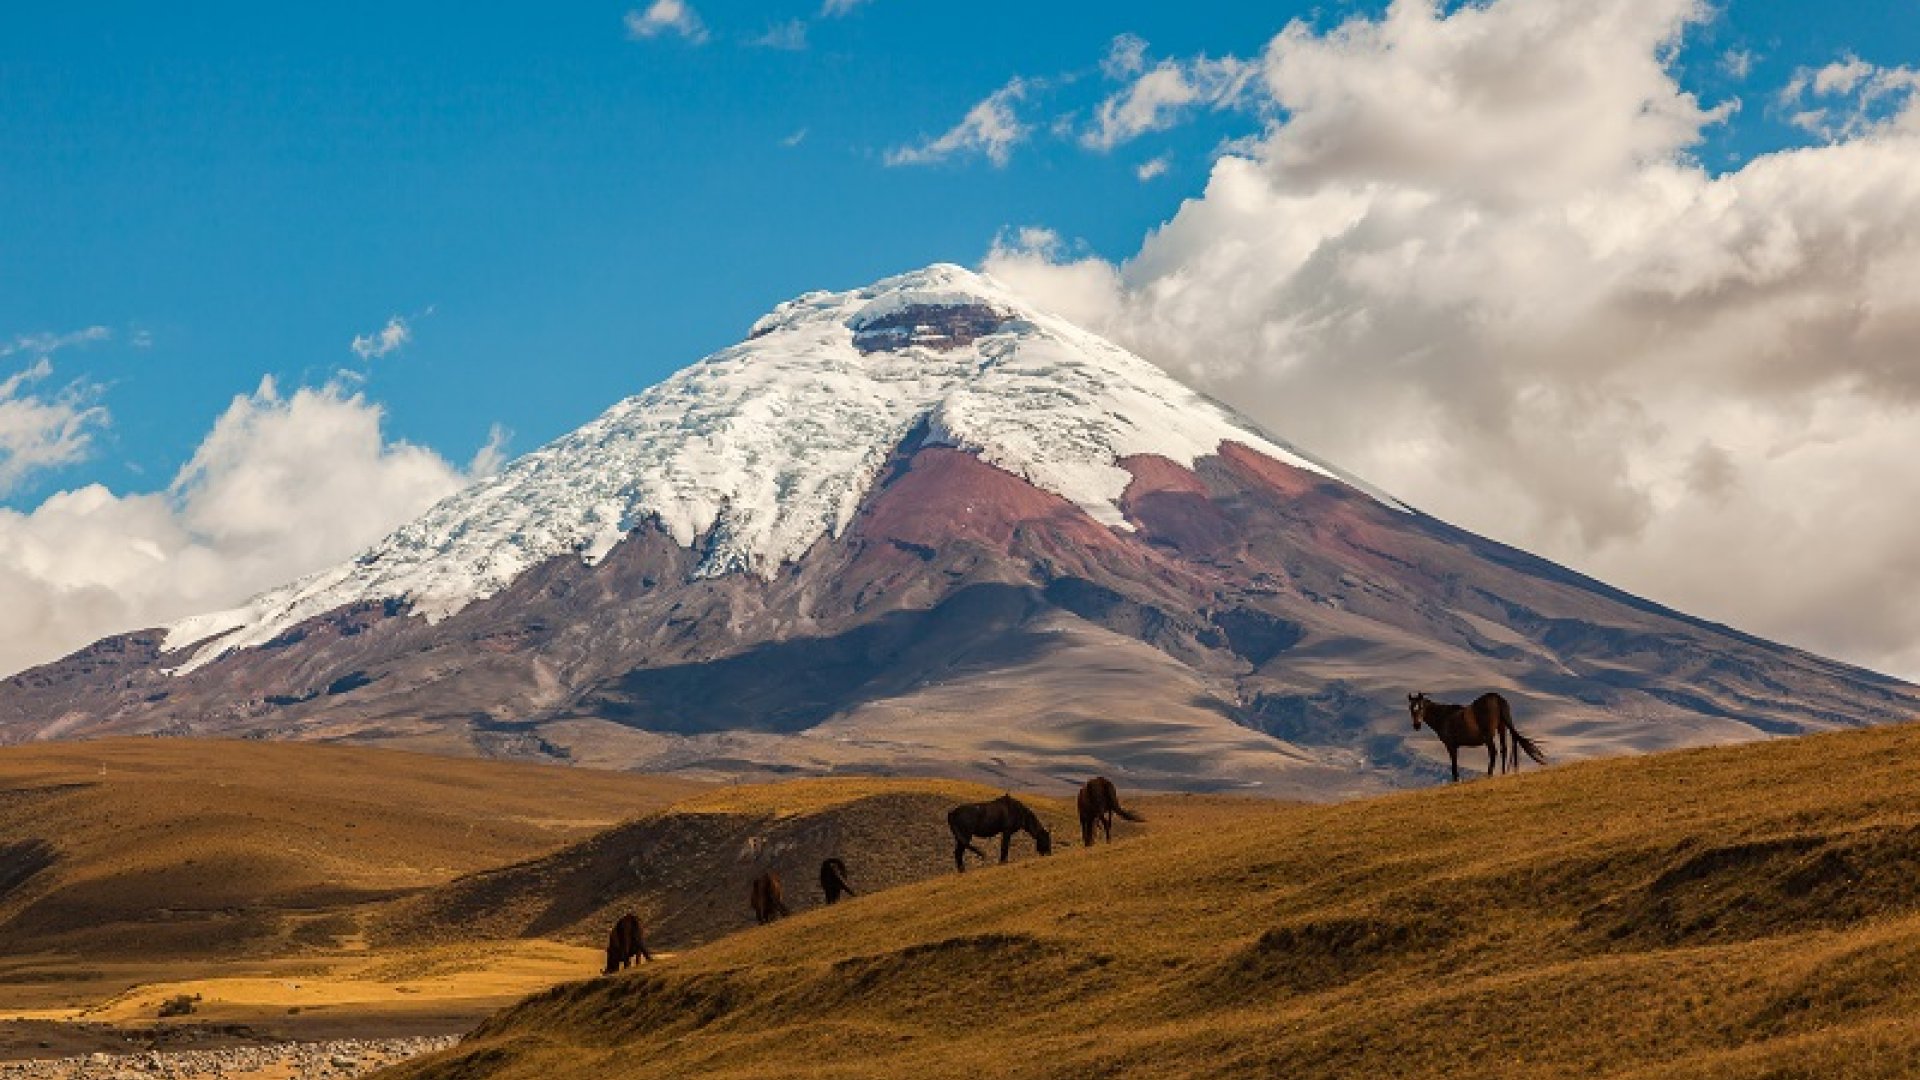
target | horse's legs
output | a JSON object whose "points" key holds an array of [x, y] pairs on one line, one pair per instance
{"points": [[1106, 822], [1453, 755], [1493, 756], [960, 847], [1006, 841]]}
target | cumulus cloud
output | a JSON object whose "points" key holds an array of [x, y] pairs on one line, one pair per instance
{"points": [[280, 486], [385, 341], [666, 17], [991, 129], [1473, 259]]}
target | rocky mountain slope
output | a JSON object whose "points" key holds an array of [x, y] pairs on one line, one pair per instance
{"points": [[923, 527]]}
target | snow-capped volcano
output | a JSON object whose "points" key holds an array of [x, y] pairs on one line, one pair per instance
{"points": [[925, 527], [758, 451]]}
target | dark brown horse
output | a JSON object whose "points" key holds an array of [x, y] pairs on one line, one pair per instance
{"points": [[1000, 817], [1098, 803], [766, 898], [1487, 722], [626, 942], [833, 880]]}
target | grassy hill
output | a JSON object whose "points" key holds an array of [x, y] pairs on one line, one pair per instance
{"points": [[1745, 912], [135, 870]]}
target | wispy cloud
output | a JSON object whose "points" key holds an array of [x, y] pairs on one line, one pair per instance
{"points": [[991, 129], [42, 431], [794, 139], [1125, 58], [666, 17], [833, 9], [385, 341], [1155, 167], [45, 343], [1852, 97], [1158, 96], [789, 36]]}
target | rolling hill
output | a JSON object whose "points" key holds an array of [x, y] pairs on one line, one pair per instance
{"points": [[1717, 913]]}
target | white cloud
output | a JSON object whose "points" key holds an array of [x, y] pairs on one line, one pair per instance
{"points": [[39, 431], [794, 139], [281, 485], [1126, 57], [666, 17], [1737, 63], [492, 455], [789, 36], [385, 341], [1159, 96], [44, 344], [1473, 260], [1851, 97], [991, 129], [835, 8], [1153, 167]]}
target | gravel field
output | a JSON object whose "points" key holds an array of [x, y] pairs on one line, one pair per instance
{"points": [[336, 1060]]}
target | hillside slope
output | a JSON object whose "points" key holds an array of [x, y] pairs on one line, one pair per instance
{"points": [[1744, 911]]}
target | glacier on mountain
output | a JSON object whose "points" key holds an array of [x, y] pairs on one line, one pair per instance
{"points": [[762, 449]]}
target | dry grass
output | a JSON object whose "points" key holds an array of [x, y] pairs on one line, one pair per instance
{"points": [[1747, 912], [129, 866]]}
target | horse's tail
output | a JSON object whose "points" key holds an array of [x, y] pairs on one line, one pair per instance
{"points": [[1532, 748], [1126, 813]]}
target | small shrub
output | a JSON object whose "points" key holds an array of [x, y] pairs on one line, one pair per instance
{"points": [[178, 1005]]}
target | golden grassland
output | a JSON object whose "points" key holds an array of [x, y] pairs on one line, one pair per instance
{"points": [[1742, 912], [132, 870]]}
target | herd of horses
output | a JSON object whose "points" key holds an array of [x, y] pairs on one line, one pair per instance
{"points": [[1487, 722]]}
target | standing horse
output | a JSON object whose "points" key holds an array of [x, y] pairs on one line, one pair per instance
{"points": [[1487, 722], [833, 880], [625, 942], [1000, 817], [1098, 803], [765, 896]]}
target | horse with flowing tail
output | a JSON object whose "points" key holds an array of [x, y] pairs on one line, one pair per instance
{"points": [[833, 880], [1000, 817], [1099, 801], [626, 942], [1487, 722]]}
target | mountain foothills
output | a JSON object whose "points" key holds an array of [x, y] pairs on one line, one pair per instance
{"points": [[921, 527]]}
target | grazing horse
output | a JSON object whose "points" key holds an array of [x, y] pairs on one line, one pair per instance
{"points": [[626, 942], [768, 904], [1487, 722], [1098, 803], [1000, 817], [833, 880]]}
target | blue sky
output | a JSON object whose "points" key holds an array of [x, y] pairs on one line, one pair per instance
{"points": [[242, 188]]}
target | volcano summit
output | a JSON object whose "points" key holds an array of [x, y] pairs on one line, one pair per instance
{"points": [[922, 527]]}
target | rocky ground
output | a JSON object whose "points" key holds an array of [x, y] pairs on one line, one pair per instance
{"points": [[336, 1060]]}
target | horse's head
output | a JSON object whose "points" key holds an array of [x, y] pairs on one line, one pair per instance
{"points": [[1042, 839], [1417, 705]]}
